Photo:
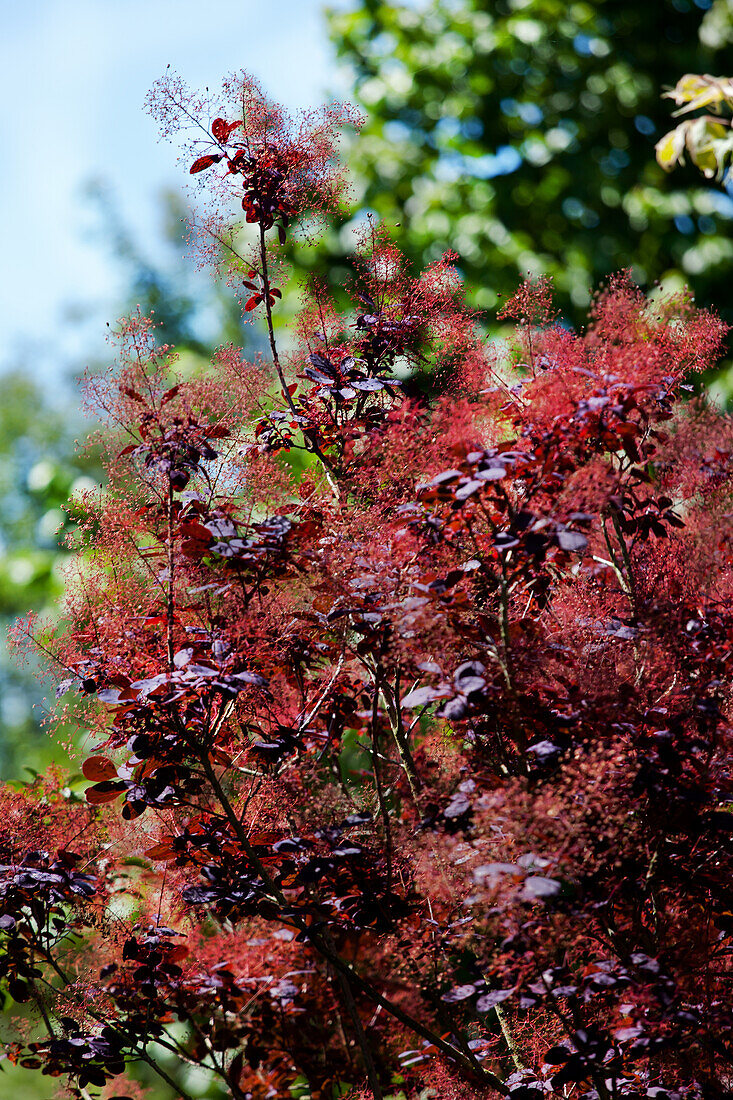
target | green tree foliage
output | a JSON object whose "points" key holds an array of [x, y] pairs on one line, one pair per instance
{"points": [[522, 132]]}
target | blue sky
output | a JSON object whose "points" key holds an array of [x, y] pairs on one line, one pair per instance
{"points": [[73, 77]]}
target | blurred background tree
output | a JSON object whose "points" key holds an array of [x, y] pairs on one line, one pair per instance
{"points": [[160, 278], [39, 468], [41, 464], [521, 134]]}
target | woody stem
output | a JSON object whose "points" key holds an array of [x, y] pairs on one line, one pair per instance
{"points": [[316, 939], [310, 441]]}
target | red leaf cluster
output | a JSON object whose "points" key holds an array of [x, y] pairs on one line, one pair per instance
{"points": [[428, 760]]}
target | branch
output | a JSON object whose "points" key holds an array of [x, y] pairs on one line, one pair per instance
{"points": [[394, 713], [170, 595], [383, 809], [323, 948], [311, 442]]}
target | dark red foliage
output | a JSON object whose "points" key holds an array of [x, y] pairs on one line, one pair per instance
{"points": [[203, 163], [423, 761]]}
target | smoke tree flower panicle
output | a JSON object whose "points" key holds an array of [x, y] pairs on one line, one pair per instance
{"points": [[249, 155], [409, 774]]}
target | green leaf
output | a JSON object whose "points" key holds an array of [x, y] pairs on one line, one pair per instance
{"points": [[670, 148]]}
